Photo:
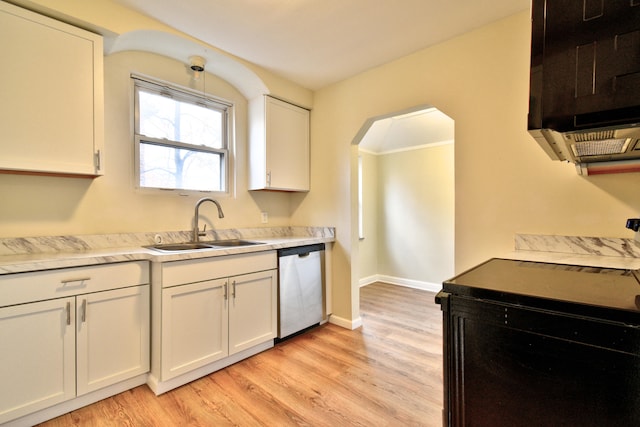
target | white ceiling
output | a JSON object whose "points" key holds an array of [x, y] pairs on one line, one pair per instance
{"points": [[416, 129], [318, 42]]}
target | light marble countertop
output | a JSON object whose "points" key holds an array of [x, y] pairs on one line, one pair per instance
{"points": [[575, 259], [35, 254], [584, 251]]}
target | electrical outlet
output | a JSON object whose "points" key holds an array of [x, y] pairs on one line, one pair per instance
{"points": [[264, 217]]}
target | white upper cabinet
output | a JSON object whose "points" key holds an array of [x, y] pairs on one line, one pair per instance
{"points": [[51, 84], [278, 146]]}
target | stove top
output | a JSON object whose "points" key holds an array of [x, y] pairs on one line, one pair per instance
{"points": [[593, 286]]}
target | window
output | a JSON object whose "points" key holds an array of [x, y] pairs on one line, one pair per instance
{"points": [[360, 201], [182, 139]]}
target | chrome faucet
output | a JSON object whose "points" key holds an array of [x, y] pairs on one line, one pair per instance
{"points": [[196, 228]]}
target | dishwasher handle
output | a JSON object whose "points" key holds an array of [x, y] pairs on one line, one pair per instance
{"points": [[301, 251]]}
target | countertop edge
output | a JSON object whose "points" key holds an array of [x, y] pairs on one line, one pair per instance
{"points": [[11, 264], [575, 259]]}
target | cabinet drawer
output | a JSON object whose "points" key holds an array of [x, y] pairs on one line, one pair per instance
{"points": [[42, 285], [197, 270]]}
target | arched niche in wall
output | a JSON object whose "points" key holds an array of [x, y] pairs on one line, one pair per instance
{"points": [[180, 49]]}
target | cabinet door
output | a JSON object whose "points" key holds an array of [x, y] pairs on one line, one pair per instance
{"points": [[252, 310], [51, 114], [287, 146], [194, 326], [37, 344], [510, 365], [113, 337]]}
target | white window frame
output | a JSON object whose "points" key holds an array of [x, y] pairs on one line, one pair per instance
{"points": [[360, 199], [186, 95]]}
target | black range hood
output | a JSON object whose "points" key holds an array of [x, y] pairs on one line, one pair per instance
{"points": [[584, 104]]}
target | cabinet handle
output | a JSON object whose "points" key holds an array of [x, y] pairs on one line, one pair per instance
{"points": [[80, 279], [68, 313], [269, 179], [83, 316], [234, 289], [98, 160], [225, 290]]}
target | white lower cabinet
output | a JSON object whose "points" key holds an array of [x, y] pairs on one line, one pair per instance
{"points": [[252, 310], [37, 343], [56, 350], [112, 337], [214, 311], [194, 327]]}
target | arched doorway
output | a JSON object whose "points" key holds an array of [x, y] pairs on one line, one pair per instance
{"points": [[406, 199]]}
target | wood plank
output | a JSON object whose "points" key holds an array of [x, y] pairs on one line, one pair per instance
{"points": [[386, 373]]}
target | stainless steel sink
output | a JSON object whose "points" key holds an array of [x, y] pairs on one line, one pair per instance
{"points": [[232, 242], [213, 244], [172, 247]]}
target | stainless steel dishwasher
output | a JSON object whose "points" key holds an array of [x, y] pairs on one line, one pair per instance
{"points": [[300, 288]]}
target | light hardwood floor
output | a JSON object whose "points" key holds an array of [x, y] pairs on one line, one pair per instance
{"points": [[387, 373]]}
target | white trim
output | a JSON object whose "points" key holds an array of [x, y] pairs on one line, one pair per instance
{"points": [[149, 82], [412, 148], [360, 201], [202, 99], [364, 281], [409, 283], [364, 150], [345, 323]]}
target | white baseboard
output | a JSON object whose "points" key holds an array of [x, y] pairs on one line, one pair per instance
{"points": [[345, 323], [416, 284], [409, 283], [364, 281]]}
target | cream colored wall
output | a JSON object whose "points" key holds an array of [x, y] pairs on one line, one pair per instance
{"points": [[36, 206], [334, 164], [368, 253], [116, 22], [416, 214], [504, 183], [408, 216]]}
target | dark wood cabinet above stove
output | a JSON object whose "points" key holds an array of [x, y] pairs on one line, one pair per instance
{"points": [[585, 64]]}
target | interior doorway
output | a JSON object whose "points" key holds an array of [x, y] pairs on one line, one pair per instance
{"points": [[406, 199]]}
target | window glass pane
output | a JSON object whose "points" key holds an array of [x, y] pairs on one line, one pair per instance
{"points": [[170, 167], [167, 118], [360, 201]]}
